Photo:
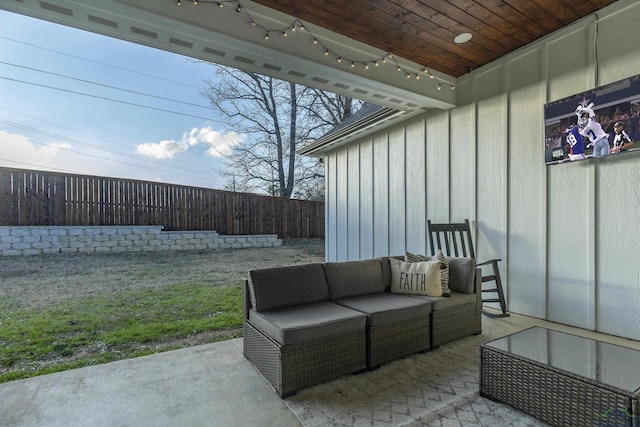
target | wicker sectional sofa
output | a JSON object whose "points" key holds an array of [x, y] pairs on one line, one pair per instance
{"points": [[307, 324]]}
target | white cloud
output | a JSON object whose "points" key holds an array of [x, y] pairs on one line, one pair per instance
{"points": [[220, 144], [166, 149], [16, 151], [20, 152]]}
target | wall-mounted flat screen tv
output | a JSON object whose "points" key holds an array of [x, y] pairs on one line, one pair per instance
{"points": [[604, 121]]}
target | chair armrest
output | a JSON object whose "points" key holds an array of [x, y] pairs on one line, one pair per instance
{"points": [[478, 288], [246, 300], [491, 261]]}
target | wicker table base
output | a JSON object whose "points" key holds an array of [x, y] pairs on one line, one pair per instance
{"points": [[562, 379]]}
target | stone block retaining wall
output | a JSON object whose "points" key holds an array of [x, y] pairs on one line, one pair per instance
{"points": [[16, 241]]}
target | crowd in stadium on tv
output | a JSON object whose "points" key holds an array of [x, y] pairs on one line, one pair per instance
{"points": [[620, 122]]}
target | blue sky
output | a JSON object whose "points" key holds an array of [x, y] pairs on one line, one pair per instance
{"points": [[84, 133]]}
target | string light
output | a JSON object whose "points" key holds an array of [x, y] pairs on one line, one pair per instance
{"points": [[299, 25]]}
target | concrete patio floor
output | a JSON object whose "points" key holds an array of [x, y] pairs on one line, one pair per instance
{"points": [[207, 385]]}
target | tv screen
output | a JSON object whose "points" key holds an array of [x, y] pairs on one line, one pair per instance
{"points": [[604, 121]]}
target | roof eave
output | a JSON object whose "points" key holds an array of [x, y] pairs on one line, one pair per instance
{"points": [[362, 128]]}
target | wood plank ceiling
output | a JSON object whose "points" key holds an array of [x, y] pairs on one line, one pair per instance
{"points": [[423, 31]]}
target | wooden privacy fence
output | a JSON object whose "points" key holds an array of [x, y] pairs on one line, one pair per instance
{"points": [[44, 198]]}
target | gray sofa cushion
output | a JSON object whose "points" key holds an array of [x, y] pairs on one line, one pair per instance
{"points": [[386, 269], [384, 308], [442, 303], [280, 287], [351, 278], [306, 322], [462, 274]]}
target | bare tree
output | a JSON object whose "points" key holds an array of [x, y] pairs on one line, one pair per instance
{"points": [[277, 117]]}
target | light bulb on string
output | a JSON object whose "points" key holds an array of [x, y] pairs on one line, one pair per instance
{"points": [[297, 24]]}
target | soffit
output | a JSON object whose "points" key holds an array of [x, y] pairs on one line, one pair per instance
{"points": [[412, 36]]}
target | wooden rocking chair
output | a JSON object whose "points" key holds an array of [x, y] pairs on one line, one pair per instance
{"points": [[454, 240]]}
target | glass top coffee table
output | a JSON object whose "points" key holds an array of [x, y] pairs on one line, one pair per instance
{"points": [[563, 379]]}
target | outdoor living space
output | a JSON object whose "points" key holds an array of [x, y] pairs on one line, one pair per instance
{"points": [[466, 141], [213, 384]]}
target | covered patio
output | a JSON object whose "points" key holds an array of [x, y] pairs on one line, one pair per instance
{"points": [[214, 385], [467, 143]]}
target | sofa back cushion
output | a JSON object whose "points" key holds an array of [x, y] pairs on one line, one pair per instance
{"points": [[280, 287], [462, 274], [386, 269], [352, 278]]}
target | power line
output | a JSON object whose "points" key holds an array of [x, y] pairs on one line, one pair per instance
{"points": [[89, 135], [61, 126], [209, 177], [98, 62], [106, 86], [38, 166], [97, 147], [107, 99], [116, 161]]}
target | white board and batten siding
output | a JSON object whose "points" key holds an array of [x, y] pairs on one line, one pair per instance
{"points": [[568, 235]]}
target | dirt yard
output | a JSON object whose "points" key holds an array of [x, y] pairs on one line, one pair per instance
{"points": [[38, 282]]}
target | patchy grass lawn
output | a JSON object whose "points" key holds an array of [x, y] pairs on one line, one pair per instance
{"points": [[61, 312]]}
